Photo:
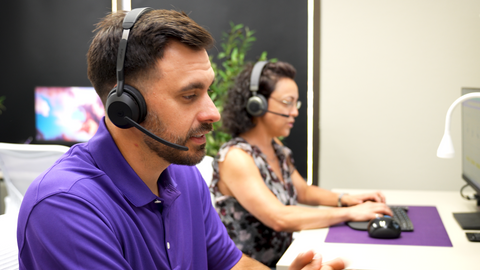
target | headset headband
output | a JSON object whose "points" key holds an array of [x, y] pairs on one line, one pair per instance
{"points": [[255, 77], [128, 22]]}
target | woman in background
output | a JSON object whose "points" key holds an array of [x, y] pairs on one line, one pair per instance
{"points": [[255, 183]]}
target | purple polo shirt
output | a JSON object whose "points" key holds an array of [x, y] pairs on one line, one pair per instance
{"points": [[90, 210]]}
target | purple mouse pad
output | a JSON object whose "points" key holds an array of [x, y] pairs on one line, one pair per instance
{"points": [[428, 231]]}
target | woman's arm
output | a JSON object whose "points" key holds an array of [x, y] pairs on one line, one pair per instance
{"points": [[240, 178], [313, 195]]}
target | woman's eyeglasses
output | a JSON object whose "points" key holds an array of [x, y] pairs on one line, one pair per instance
{"points": [[289, 104]]}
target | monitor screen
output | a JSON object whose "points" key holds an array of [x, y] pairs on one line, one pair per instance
{"points": [[66, 115], [471, 140]]}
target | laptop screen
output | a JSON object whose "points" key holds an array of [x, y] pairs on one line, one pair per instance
{"points": [[66, 115]]}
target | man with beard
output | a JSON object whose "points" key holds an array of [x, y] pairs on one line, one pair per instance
{"points": [[127, 199]]}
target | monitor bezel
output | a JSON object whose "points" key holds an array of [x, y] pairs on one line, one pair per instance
{"points": [[473, 184]]}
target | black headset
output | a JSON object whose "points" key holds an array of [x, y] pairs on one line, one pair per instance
{"points": [[257, 104], [124, 100], [125, 105]]}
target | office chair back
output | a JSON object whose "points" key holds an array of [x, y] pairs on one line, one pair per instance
{"points": [[21, 164]]}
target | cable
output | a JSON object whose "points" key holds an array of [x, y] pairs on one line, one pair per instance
{"points": [[466, 197]]}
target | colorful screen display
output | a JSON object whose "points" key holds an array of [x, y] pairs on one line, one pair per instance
{"points": [[66, 114]]}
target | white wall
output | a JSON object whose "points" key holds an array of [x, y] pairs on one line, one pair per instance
{"points": [[389, 71]]}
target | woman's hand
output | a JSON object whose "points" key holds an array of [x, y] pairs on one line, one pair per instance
{"points": [[351, 200], [367, 211]]}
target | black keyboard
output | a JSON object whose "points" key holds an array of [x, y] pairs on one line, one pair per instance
{"points": [[400, 215]]}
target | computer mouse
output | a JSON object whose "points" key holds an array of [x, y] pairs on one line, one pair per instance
{"points": [[384, 227]]}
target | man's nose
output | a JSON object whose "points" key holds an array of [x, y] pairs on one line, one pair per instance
{"points": [[209, 113]]}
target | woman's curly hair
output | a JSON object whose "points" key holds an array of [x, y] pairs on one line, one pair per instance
{"points": [[235, 118]]}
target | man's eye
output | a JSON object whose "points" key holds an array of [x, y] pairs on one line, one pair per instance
{"points": [[189, 97]]}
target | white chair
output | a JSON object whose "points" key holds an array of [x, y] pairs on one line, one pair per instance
{"points": [[206, 169], [21, 164], [8, 242]]}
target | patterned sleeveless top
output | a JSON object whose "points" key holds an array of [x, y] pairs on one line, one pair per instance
{"points": [[250, 235]]}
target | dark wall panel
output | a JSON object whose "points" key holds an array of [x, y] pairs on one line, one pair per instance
{"points": [[281, 30], [45, 43]]}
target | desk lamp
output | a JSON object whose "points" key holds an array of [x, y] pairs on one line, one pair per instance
{"points": [[445, 149]]}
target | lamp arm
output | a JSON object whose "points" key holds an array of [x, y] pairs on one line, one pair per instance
{"points": [[445, 149]]}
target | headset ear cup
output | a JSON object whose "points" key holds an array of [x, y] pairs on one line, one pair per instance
{"points": [[257, 105], [142, 105], [131, 103]]}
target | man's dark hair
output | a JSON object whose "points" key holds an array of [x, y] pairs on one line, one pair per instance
{"points": [[146, 44], [235, 118]]}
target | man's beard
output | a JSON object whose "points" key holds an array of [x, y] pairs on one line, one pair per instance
{"points": [[191, 157]]}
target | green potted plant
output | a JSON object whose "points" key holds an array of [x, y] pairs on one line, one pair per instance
{"points": [[234, 47]]}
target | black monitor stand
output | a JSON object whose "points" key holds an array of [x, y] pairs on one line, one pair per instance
{"points": [[469, 221]]}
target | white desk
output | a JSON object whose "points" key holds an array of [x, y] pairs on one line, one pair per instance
{"points": [[463, 254]]}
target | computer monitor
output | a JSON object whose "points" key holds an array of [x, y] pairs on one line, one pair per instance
{"points": [[66, 115], [471, 156]]}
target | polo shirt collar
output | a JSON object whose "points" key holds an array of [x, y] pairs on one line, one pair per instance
{"points": [[109, 159], [167, 186]]}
